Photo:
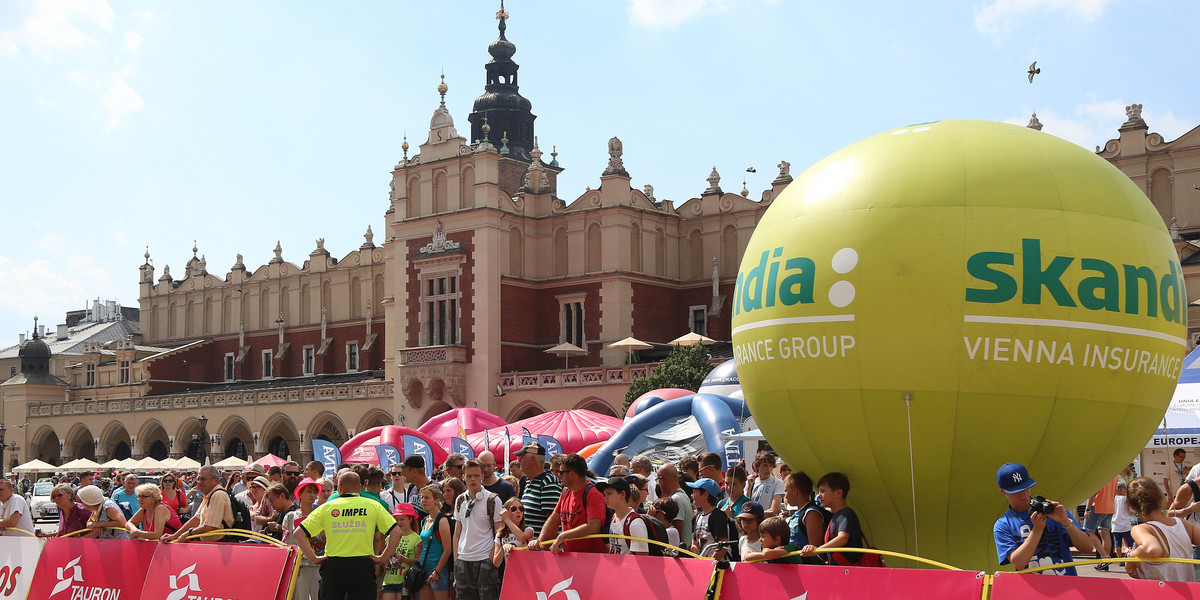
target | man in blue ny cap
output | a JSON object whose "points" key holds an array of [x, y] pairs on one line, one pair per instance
{"points": [[1028, 538]]}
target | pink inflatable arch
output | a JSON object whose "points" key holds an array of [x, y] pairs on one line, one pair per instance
{"points": [[661, 394], [361, 448], [574, 429], [445, 426]]}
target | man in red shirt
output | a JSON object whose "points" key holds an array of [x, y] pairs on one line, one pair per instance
{"points": [[580, 511]]}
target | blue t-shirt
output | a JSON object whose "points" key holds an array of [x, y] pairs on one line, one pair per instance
{"points": [[127, 502], [1053, 548]]}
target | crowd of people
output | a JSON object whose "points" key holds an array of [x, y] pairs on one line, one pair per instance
{"points": [[366, 533]]}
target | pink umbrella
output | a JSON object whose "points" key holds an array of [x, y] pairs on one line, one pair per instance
{"points": [[361, 448], [269, 460], [574, 429], [445, 426]]}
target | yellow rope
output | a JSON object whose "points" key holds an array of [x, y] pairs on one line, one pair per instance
{"points": [[87, 529], [1096, 561], [873, 551], [25, 531], [239, 533], [622, 537]]}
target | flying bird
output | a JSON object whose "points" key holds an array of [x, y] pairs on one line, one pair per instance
{"points": [[1033, 70], [751, 170]]}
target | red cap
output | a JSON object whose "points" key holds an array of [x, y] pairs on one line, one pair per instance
{"points": [[404, 509]]}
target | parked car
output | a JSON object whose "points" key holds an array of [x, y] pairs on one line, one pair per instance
{"points": [[40, 504]]}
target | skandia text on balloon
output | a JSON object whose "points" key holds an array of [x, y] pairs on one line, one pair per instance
{"points": [[1062, 352], [1132, 289]]}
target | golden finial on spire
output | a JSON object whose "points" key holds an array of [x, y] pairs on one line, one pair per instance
{"points": [[502, 14]]}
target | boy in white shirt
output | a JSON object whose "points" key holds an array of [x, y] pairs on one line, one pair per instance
{"points": [[621, 498], [1122, 521]]}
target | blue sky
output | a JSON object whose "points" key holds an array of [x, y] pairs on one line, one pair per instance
{"points": [[236, 124]]}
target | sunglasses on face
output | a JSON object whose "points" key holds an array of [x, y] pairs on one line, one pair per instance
{"points": [[292, 473], [456, 466]]}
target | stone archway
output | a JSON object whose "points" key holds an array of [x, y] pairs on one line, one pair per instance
{"points": [[329, 427], [80, 443], [434, 410], [280, 437], [374, 418], [46, 446], [597, 405], [234, 438], [526, 410], [152, 441], [115, 442]]}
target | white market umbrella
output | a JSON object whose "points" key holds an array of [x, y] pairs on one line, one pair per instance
{"points": [[147, 464], [186, 464], [80, 464], [692, 339], [232, 462], [168, 463], [567, 350], [35, 466], [630, 344]]}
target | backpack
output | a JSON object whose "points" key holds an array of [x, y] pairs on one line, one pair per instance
{"points": [[867, 560], [241, 517], [487, 499], [655, 530]]}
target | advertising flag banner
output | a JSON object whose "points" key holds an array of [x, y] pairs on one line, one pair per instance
{"points": [[233, 571], [328, 454], [416, 445], [19, 557], [74, 567], [487, 441], [462, 447], [1034, 586], [572, 576], [526, 437], [507, 450], [388, 456], [551, 445], [753, 581]]}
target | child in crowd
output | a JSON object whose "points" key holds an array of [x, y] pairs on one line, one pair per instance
{"points": [[407, 553], [514, 533], [843, 529], [1122, 522], [620, 497], [735, 491], [808, 521], [747, 522], [709, 525], [766, 489], [774, 535], [665, 510]]}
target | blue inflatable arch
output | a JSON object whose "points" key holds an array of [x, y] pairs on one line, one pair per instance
{"points": [[716, 415]]}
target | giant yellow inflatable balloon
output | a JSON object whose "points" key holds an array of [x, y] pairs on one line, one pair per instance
{"points": [[932, 302]]}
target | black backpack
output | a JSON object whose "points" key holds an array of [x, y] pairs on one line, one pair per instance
{"points": [[241, 517], [608, 512], [655, 530]]}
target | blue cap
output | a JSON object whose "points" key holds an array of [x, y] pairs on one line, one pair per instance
{"points": [[1013, 478], [752, 509], [707, 485]]}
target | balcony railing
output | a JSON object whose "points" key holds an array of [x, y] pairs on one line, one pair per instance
{"points": [[339, 391], [622, 375], [432, 355]]}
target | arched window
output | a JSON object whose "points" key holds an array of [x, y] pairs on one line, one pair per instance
{"points": [[208, 316], [440, 194], [729, 250], [285, 305], [660, 253], [377, 296], [265, 315], [466, 192], [1161, 194], [327, 299], [695, 266], [305, 304], [356, 300], [635, 248], [414, 197]]}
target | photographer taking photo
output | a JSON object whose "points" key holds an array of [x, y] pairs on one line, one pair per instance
{"points": [[1034, 532]]}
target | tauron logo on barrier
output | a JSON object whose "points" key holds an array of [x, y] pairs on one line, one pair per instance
{"points": [[67, 575], [185, 582], [1131, 289], [562, 586], [767, 285]]}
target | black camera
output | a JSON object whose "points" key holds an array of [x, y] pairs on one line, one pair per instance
{"points": [[1040, 504]]}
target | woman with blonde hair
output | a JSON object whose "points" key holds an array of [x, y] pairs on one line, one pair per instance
{"points": [[154, 516], [105, 514], [1161, 535]]}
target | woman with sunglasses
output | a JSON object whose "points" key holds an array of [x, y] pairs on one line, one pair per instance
{"points": [[514, 533], [436, 538], [173, 497], [154, 517], [72, 516]]}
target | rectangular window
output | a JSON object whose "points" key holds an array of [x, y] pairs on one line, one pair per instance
{"points": [[268, 358], [351, 357], [440, 301], [123, 371], [309, 358], [571, 318], [229, 366], [90, 370], [699, 319], [12, 371]]}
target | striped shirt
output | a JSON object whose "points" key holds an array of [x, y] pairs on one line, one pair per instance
{"points": [[540, 498]]}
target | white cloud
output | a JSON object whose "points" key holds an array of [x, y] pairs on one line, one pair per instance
{"points": [[43, 287], [1094, 123], [120, 100], [81, 36], [666, 14], [1001, 16]]}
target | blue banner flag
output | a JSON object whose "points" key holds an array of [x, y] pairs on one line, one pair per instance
{"points": [[388, 456], [328, 454], [415, 445], [550, 444], [458, 445], [507, 449], [487, 441], [526, 437]]}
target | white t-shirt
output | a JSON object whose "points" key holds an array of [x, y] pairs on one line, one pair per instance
{"points": [[637, 528], [1122, 520], [763, 491], [475, 542], [17, 504], [673, 536], [746, 547]]}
